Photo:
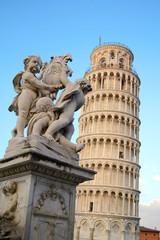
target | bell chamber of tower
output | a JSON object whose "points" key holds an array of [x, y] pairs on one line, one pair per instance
{"points": [[107, 208]]}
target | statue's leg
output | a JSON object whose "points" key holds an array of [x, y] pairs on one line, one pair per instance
{"points": [[21, 123], [40, 125], [65, 142], [14, 132], [24, 103], [64, 119], [68, 131]]}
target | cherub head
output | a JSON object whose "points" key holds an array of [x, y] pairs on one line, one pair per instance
{"points": [[44, 104], [9, 187], [33, 63], [85, 85]]}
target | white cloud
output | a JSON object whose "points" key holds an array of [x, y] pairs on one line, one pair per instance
{"points": [[150, 214], [154, 168], [156, 178], [141, 181]]}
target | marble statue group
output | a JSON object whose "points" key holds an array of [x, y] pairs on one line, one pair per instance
{"points": [[34, 102]]}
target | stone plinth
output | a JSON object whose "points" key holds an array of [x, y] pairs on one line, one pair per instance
{"points": [[38, 180]]}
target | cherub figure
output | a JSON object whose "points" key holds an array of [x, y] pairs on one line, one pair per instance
{"points": [[70, 100], [8, 208], [45, 115], [9, 200], [28, 87]]}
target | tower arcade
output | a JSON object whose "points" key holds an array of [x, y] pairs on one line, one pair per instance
{"points": [[107, 207]]}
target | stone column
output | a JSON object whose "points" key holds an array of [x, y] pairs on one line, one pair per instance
{"points": [[134, 129], [138, 92], [133, 209], [137, 181], [119, 121], [133, 179], [134, 110], [125, 145], [101, 202], [107, 234], [126, 78], [125, 131], [123, 202], [122, 235], [104, 147], [109, 199], [130, 129], [125, 104], [130, 152], [120, 83], [87, 198], [91, 234], [78, 233], [82, 200], [110, 175], [118, 149], [111, 148], [130, 110], [120, 104], [102, 80], [133, 235], [116, 203], [129, 205], [117, 182], [129, 182], [131, 86], [123, 177], [134, 88]]}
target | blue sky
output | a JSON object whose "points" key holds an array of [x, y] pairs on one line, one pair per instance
{"points": [[50, 27]]}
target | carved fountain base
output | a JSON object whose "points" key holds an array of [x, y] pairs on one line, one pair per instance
{"points": [[38, 180]]}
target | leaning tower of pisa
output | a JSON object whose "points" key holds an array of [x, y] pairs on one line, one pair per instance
{"points": [[107, 207]]}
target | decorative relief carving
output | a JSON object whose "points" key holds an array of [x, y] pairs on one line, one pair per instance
{"points": [[115, 228], [99, 226], [128, 229], [85, 225], [53, 195], [8, 207]]}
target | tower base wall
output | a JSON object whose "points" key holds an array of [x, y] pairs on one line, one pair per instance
{"points": [[94, 227]]}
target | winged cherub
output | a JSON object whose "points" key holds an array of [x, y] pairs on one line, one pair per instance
{"points": [[28, 87]]}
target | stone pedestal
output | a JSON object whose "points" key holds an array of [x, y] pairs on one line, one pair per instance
{"points": [[38, 180]]}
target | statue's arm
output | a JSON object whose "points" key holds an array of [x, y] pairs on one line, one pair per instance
{"points": [[40, 85]]}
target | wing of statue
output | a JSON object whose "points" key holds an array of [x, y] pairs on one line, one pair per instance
{"points": [[17, 82]]}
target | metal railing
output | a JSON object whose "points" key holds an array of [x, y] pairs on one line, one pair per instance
{"points": [[113, 43], [103, 66]]}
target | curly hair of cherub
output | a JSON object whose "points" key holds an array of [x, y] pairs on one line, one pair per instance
{"points": [[82, 81], [9, 186], [44, 104], [27, 60]]}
